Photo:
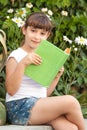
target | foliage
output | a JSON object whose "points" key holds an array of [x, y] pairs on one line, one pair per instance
{"points": [[2, 114], [2, 86], [70, 30]]}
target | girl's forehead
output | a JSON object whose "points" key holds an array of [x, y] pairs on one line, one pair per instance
{"points": [[37, 28]]}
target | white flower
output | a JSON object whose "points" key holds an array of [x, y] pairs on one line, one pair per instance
{"points": [[44, 9], [70, 41], [29, 5], [50, 12], [65, 38], [85, 42], [64, 13], [18, 21], [48, 17], [80, 40], [21, 12], [10, 11], [21, 23], [75, 49], [7, 17]]}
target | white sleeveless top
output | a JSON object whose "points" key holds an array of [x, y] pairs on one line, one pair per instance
{"points": [[28, 86]]}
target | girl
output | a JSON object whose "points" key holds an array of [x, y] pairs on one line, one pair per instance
{"points": [[27, 102]]}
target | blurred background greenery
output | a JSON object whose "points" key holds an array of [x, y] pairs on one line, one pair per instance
{"points": [[70, 30]]}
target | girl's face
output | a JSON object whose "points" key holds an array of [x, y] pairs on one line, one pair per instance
{"points": [[33, 36]]}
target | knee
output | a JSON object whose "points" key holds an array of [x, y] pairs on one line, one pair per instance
{"points": [[73, 102]]}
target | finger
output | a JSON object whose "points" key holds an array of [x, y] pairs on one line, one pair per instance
{"points": [[61, 70], [36, 62], [37, 59]]}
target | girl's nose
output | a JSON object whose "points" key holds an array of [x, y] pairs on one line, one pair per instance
{"points": [[37, 36]]}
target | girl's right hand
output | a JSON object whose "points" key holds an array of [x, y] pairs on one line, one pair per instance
{"points": [[32, 58]]}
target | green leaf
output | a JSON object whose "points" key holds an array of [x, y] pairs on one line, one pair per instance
{"points": [[4, 2]]}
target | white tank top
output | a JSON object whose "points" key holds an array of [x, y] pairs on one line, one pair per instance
{"points": [[28, 86]]}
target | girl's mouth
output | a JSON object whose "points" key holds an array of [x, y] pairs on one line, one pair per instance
{"points": [[36, 42]]}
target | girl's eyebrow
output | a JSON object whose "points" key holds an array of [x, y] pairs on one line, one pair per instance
{"points": [[43, 30]]}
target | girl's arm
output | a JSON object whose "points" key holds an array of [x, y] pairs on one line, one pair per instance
{"points": [[54, 82], [14, 74], [15, 71]]}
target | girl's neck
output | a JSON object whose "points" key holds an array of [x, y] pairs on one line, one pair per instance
{"points": [[27, 49]]}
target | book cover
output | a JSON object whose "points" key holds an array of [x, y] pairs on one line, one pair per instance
{"points": [[53, 59]]}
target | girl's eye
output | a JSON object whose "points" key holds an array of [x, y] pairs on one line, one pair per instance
{"points": [[42, 33], [32, 30]]}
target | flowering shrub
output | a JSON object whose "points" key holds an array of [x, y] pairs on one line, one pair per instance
{"points": [[70, 30]]}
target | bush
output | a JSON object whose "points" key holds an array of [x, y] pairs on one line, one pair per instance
{"points": [[2, 114]]}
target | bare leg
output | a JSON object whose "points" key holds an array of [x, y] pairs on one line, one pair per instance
{"points": [[61, 123], [51, 108]]}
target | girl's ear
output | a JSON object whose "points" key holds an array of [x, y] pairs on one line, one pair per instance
{"points": [[48, 34], [23, 30]]}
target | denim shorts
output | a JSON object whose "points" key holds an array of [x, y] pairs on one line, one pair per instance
{"points": [[19, 111]]}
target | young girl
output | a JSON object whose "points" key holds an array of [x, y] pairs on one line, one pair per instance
{"points": [[27, 102]]}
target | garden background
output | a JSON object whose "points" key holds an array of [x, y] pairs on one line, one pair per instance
{"points": [[69, 19]]}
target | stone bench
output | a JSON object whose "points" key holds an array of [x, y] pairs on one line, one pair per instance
{"points": [[34, 127], [17, 127]]}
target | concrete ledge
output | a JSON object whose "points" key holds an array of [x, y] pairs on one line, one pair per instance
{"points": [[17, 127], [36, 127]]}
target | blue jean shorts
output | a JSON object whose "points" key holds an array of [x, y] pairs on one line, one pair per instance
{"points": [[19, 111]]}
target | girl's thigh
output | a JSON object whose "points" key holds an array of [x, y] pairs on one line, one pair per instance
{"points": [[50, 108]]}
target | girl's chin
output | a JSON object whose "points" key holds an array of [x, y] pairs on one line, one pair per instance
{"points": [[34, 46]]}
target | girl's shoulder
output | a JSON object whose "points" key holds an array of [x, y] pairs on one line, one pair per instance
{"points": [[18, 54]]}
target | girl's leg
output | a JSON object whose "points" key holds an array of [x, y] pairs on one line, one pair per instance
{"points": [[51, 108], [61, 123]]}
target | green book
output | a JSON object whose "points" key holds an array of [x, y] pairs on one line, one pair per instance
{"points": [[53, 59]]}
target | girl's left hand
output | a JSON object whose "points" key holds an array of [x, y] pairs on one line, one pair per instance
{"points": [[60, 72]]}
